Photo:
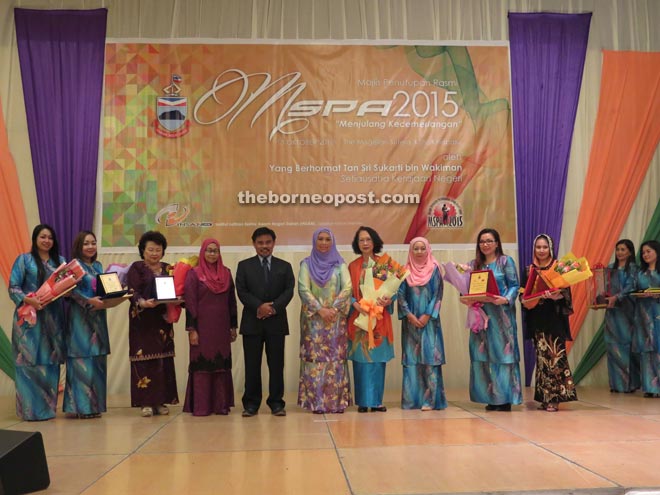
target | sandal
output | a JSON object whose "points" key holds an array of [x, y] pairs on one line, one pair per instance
{"points": [[426, 408], [552, 408]]}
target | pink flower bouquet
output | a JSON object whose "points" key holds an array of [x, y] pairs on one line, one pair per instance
{"points": [[568, 270], [61, 281], [459, 276]]}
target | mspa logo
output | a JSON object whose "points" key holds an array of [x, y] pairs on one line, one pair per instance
{"points": [[444, 213], [172, 111], [172, 217]]}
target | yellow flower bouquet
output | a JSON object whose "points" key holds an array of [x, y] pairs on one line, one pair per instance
{"points": [[381, 279]]}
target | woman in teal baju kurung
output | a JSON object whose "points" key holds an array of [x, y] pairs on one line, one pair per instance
{"points": [[369, 361], [38, 350], [622, 363], [87, 341], [646, 339], [494, 354], [324, 286], [422, 345]]}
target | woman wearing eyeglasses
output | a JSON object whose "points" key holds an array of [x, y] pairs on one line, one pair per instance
{"points": [[368, 362], [494, 355], [211, 322]]}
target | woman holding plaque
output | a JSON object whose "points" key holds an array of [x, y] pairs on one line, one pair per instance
{"points": [[622, 363], [369, 355], [646, 339], [324, 287], [150, 336], [494, 355], [38, 348], [86, 337], [423, 349], [211, 322], [547, 325]]}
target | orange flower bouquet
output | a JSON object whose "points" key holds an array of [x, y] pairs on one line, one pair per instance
{"points": [[566, 271], [61, 281], [381, 279]]}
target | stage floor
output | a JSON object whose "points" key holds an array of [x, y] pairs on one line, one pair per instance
{"points": [[605, 443]]}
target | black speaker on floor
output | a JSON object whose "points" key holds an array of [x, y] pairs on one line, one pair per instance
{"points": [[23, 466]]}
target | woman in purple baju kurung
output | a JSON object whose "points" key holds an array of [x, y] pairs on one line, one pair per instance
{"points": [[150, 335], [325, 289], [211, 321]]}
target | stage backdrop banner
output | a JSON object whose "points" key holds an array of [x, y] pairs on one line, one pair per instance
{"points": [[214, 140]]}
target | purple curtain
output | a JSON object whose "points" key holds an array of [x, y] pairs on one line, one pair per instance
{"points": [[61, 54], [547, 61]]}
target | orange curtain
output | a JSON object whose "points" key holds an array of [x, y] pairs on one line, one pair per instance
{"points": [[626, 135], [13, 227]]}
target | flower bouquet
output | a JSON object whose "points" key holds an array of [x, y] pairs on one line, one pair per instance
{"points": [[61, 281], [381, 279], [566, 271], [459, 276], [179, 271]]}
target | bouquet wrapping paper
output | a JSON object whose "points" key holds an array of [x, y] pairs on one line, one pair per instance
{"points": [[388, 277], [61, 281]]}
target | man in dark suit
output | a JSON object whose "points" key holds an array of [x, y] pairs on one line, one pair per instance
{"points": [[265, 286]]}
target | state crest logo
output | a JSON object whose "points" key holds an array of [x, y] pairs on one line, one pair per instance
{"points": [[172, 111]]}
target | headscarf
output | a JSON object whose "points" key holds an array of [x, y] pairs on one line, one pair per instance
{"points": [[215, 276], [321, 265], [420, 272], [535, 262]]}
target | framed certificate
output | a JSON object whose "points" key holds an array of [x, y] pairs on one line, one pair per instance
{"points": [[108, 286], [482, 287], [164, 288], [536, 287]]}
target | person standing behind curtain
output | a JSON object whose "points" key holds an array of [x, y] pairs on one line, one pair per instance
{"points": [[422, 345], [324, 287], [494, 354], [38, 350], [265, 286], [211, 322], [150, 336], [87, 341], [622, 363], [547, 325], [646, 339], [368, 364]]}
